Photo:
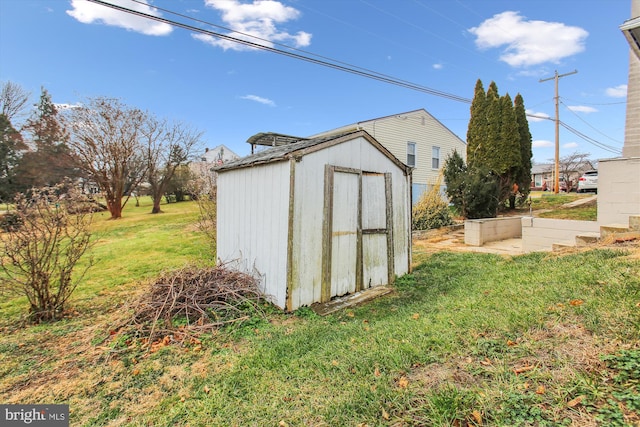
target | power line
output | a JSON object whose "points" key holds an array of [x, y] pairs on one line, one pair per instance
{"points": [[311, 58], [590, 140], [319, 60], [596, 103], [586, 123]]}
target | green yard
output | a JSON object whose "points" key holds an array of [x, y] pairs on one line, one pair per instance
{"points": [[466, 339]]}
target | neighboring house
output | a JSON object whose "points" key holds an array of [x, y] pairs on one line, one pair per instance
{"points": [[542, 174], [317, 218], [219, 155], [211, 158], [416, 138]]}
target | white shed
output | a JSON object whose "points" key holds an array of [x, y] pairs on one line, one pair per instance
{"points": [[317, 218]]}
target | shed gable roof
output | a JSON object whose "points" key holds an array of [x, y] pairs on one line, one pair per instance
{"points": [[306, 146]]}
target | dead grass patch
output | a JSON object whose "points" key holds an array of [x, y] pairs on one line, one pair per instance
{"points": [[545, 361]]}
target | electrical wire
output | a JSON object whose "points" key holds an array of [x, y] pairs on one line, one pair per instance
{"points": [[318, 60], [590, 140], [599, 103], [586, 123]]}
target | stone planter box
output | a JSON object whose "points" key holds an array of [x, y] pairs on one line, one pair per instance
{"points": [[477, 232]]}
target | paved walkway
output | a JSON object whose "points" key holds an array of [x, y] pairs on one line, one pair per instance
{"points": [[454, 241]]}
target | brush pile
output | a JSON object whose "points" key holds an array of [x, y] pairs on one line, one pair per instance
{"points": [[197, 299]]}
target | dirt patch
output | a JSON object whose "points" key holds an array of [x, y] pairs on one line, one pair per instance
{"points": [[544, 361], [453, 372]]}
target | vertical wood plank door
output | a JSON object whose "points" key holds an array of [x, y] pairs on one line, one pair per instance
{"points": [[375, 262], [344, 233]]}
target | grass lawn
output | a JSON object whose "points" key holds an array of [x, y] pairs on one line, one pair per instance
{"points": [[549, 205], [466, 339]]}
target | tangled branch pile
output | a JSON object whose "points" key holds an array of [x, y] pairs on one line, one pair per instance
{"points": [[198, 299]]}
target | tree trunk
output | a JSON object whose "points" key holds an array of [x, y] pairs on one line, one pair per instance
{"points": [[156, 206], [115, 208]]}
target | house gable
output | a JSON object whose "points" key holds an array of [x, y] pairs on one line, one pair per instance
{"points": [[428, 136]]}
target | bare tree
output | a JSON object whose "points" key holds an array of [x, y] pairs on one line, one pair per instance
{"points": [[50, 234], [13, 100], [168, 146], [106, 140], [572, 165]]}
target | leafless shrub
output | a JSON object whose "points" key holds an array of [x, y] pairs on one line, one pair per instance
{"points": [[197, 299], [205, 189], [41, 253]]}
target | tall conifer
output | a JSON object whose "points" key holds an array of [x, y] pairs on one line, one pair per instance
{"points": [[524, 177], [476, 130], [49, 162]]}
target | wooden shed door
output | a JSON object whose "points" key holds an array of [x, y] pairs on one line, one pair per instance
{"points": [[357, 231], [377, 243]]}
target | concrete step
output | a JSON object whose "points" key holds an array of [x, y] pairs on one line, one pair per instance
{"points": [[587, 239], [609, 229]]}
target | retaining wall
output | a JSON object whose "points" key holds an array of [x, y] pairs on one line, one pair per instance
{"points": [[477, 232], [539, 234]]}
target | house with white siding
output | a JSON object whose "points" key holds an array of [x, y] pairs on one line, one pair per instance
{"points": [[416, 138], [316, 219], [203, 166]]}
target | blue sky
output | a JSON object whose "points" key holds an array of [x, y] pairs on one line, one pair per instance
{"points": [[77, 49]]}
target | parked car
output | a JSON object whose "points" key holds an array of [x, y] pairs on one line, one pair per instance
{"points": [[588, 182], [562, 186]]}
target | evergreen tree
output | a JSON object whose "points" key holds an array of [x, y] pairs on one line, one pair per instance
{"points": [[486, 155], [11, 145], [508, 161], [500, 141], [454, 172], [524, 176], [471, 190], [49, 162], [476, 132]]}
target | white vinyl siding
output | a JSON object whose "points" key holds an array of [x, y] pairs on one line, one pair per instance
{"points": [[411, 154], [419, 127], [435, 157]]}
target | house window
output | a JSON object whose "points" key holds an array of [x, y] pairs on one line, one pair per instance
{"points": [[411, 154], [435, 158]]}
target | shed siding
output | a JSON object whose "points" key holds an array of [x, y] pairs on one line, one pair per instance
{"points": [[253, 212], [308, 212]]}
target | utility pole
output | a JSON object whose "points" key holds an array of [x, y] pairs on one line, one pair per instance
{"points": [[556, 174]]}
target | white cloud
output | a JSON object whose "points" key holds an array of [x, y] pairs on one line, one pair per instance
{"points": [[258, 19], [89, 13], [541, 143], [259, 99], [438, 66], [528, 42], [582, 109], [619, 91], [570, 145], [533, 116]]}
